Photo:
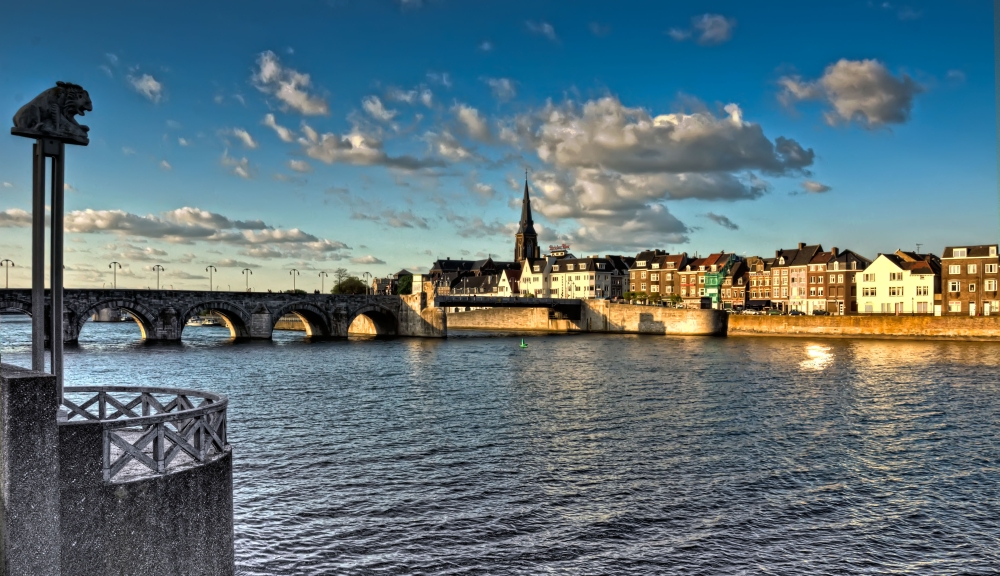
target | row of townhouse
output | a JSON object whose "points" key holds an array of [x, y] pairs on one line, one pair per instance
{"points": [[807, 278], [563, 275]]}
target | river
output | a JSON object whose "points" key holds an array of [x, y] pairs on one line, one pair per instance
{"points": [[590, 454]]}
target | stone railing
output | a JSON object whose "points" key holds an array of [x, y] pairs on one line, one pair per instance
{"points": [[149, 430]]}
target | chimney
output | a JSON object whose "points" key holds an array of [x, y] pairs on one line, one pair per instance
{"points": [[449, 257], [833, 251], [802, 245]]}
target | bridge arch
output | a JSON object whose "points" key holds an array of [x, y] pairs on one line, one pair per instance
{"points": [[143, 316], [384, 321], [8, 304], [235, 318], [312, 316]]}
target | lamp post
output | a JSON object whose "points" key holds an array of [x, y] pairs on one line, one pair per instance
{"points": [[211, 270], [247, 272], [7, 263], [293, 272], [158, 269], [322, 278], [368, 278], [115, 267]]}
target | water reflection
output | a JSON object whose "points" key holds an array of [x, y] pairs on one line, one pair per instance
{"points": [[818, 357]]}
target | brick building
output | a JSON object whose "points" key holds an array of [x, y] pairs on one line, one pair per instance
{"points": [[969, 280]]}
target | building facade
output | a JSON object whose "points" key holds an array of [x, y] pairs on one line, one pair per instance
{"points": [[969, 280], [655, 274], [899, 283]]}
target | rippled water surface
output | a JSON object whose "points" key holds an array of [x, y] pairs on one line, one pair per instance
{"points": [[591, 454]]}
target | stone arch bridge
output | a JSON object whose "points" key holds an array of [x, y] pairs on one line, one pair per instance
{"points": [[162, 314]]}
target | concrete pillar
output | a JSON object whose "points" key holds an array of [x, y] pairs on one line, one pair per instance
{"points": [[30, 540], [261, 323]]}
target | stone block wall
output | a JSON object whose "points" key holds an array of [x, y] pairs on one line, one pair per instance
{"points": [[864, 326]]}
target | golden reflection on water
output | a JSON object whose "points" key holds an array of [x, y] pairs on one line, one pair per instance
{"points": [[818, 357]]}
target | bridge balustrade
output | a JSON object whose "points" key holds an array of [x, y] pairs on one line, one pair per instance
{"points": [[149, 430]]}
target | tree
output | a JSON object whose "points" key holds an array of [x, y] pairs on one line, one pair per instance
{"points": [[350, 285], [339, 275], [405, 285], [676, 299]]}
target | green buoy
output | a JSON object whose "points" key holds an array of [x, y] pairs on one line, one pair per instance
{"points": [[523, 345]]}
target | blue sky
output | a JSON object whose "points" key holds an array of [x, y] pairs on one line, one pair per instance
{"points": [[375, 135]]}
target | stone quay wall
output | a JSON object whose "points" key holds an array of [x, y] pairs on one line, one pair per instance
{"points": [[596, 316], [865, 326]]}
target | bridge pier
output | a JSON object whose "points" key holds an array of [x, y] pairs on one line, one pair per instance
{"points": [[261, 323]]}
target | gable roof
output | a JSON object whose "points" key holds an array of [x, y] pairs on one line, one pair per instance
{"points": [[980, 251]]}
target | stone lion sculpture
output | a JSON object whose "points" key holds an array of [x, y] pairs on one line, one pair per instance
{"points": [[52, 114]]}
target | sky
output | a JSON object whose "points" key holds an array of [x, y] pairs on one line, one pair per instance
{"points": [[375, 135]]}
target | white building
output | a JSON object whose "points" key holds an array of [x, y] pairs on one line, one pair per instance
{"points": [[900, 283]]}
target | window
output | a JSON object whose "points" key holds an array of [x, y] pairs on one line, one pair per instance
{"points": [[868, 291], [600, 266], [655, 287], [784, 292], [958, 253], [954, 306], [643, 275], [990, 286], [972, 268], [868, 308], [921, 307], [833, 278], [632, 274], [669, 289], [895, 276], [991, 269], [972, 286], [536, 268], [640, 263], [840, 278], [632, 288], [643, 286], [684, 291], [895, 290], [654, 277], [656, 265], [701, 279], [569, 266], [922, 290], [701, 291], [993, 250], [954, 286], [954, 269], [820, 290], [670, 277], [812, 291], [555, 268], [869, 278]]}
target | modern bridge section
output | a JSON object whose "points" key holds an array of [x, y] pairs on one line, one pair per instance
{"points": [[568, 308], [162, 314]]}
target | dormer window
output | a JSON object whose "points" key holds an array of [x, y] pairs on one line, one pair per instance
{"points": [[555, 267], [670, 264], [581, 267], [537, 267], [715, 268], [781, 260], [854, 265], [993, 250], [640, 263], [656, 266], [569, 266], [959, 253]]}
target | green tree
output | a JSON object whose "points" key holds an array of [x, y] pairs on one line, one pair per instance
{"points": [[405, 285], [350, 285], [676, 299]]}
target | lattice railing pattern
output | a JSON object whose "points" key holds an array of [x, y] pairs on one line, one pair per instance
{"points": [[150, 429]]}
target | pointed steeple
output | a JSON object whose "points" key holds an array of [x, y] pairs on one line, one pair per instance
{"points": [[527, 224]]}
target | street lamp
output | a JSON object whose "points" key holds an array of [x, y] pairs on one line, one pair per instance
{"points": [[368, 277], [293, 272], [115, 267], [158, 269], [7, 263], [247, 272], [211, 270], [322, 278]]}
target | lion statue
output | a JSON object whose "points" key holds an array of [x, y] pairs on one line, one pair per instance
{"points": [[52, 113]]}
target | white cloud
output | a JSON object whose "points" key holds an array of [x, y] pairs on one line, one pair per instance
{"points": [[8, 185], [288, 85], [14, 218], [503, 88], [814, 187], [66, 187], [240, 167], [369, 259], [357, 148], [472, 122], [165, 165], [128, 151], [861, 91], [486, 46], [710, 29], [542, 29], [283, 133], [374, 107], [421, 94], [147, 86], [484, 190], [244, 137], [442, 78], [183, 142], [447, 146], [299, 166]]}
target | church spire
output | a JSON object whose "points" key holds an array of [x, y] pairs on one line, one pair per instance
{"points": [[527, 224]]}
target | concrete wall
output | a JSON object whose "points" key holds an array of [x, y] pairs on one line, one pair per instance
{"points": [[178, 523], [29, 472], [597, 316], [862, 326]]}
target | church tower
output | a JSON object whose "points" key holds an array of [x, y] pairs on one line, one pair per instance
{"points": [[526, 239]]}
